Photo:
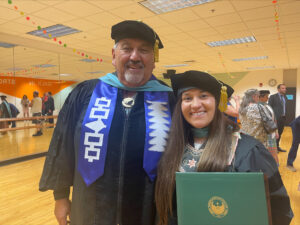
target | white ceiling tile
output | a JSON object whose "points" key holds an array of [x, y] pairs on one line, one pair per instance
{"points": [[81, 24], [8, 14], [260, 23], [292, 34], [203, 32], [288, 8], [206, 39], [19, 28], [289, 19], [110, 5], [50, 2], [192, 25], [26, 7], [192, 44], [104, 19], [132, 12], [224, 19], [180, 37], [290, 27], [239, 34], [78, 8], [264, 31], [215, 8], [3, 21], [253, 4], [78, 37], [53, 14], [258, 13], [35, 22], [265, 37], [103, 33], [180, 16], [167, 30], [155, 21], [231, 28]]}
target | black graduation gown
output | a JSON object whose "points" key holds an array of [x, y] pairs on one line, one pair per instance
{"points": [[124, 194], [252, 156]]}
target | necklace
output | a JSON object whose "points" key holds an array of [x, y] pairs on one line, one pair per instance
{"points": [[128, 102]]}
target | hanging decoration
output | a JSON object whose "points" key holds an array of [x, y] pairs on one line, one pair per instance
{"points": [[276, 19], [29, 71], [49, 34], [34, 70], [223, 63]]}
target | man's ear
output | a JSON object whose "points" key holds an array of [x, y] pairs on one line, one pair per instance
{"points": [[113, 51]]}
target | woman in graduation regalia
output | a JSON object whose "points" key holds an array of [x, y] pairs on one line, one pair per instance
{"points": [[202, 139]]}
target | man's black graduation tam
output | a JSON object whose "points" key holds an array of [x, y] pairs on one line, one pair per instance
{"points": [[134, 29]]}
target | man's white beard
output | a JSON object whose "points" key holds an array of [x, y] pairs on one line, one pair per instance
{"points": [[133, 78]]}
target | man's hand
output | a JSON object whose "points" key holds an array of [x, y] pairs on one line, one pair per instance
{"points": [[62, 210]]}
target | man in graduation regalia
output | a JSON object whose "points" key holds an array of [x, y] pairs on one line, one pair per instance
{"points": [[109, 137]]}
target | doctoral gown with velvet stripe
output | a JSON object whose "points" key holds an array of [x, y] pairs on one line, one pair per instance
{"points": [[124, 194]]}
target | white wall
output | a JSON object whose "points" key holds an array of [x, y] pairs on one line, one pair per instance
{"points": [[253, 78]]}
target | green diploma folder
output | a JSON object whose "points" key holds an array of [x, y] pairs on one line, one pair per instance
{"points": [[222, 199]]}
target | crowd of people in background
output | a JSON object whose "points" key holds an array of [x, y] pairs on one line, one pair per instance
{"points": [[39, 107]]}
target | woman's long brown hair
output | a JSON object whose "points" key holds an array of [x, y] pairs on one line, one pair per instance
{"points": [[214, 158]]}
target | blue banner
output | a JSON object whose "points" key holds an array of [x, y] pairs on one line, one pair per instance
{"points": [[94, 132]]}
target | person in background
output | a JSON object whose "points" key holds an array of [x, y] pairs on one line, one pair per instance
{"points": [[5, 112], [272, 145], [36, 110], [232, 112], [278, 103], [251, 121], [44, 102], [109, 136], [202, 140], [14, 113], [25, 107], [49, 108], [295, 124]]}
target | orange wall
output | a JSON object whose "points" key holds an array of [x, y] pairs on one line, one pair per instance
{"points": [[19, 86]]}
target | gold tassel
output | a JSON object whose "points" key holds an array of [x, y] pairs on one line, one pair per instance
{"points": [[223, 99], [156, 51]]}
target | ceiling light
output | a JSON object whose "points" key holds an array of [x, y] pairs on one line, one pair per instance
{"points": [[65, 74], [176, 65], [232, 41], [15, 68], [163, 6], [250, 58], [44, 65], [88, 60], [93, 72], [189, 61], [57, 30], [261, 68], [6, 45]]}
